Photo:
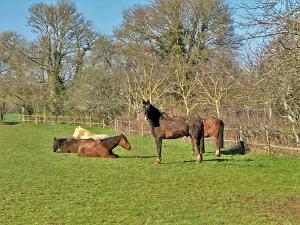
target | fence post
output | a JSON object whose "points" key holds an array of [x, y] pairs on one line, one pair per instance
{"points": [[90, 121], [116, 124], [237, 137], [36, 119], [103, 125], [268, 140], [142, 129], [241, 139]]}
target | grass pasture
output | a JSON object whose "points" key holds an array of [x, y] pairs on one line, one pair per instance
{"points": [[38, 186]]}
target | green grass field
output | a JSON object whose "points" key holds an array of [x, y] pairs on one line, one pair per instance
{"points": [[38, 186]]}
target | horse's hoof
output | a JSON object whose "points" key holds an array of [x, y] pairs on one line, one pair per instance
{"points": [[218, 154], [199, 158], [157, 162]]}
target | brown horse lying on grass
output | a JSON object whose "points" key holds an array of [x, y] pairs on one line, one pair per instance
{"points": [[104, 147], [90, 147], [68, 145]]}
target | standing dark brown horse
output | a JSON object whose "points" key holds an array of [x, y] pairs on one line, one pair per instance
{"points": [[165, 127], [214, 127], [104, 147]]}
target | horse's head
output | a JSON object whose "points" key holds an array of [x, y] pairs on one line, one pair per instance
{"points": [[146, 108], [56, 144], [151, 113], [124, 142]]}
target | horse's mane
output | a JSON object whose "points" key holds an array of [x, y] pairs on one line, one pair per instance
{"points": [[109, 140], [154, 114]]}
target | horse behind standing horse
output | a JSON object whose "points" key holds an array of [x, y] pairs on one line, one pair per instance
{"points": [[214, 127], [165, 127]]}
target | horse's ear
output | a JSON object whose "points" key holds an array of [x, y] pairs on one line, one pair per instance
{"points": [[144, 101]]}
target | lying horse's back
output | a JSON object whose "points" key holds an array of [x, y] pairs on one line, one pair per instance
{"points": [[93, 149], [68, 145], [103, 148]]}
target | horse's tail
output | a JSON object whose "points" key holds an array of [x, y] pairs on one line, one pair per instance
{"points": [[202, 145], [221, 135]]}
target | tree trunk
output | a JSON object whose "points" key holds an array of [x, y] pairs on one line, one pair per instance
{"points": [[56, 92], [217, 104]]}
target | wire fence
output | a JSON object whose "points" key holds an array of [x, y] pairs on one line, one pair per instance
{"points": [[45, 119], [262, 140]]}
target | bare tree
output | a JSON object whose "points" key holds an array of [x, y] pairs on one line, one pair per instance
{"points": [[96, 92], [20, 89], [170, 38], [191, 29], [277, 23], [185, 82], [143, 78], [64, 36]]}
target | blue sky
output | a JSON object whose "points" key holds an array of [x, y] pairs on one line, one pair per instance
{"points": [[105, 14]]}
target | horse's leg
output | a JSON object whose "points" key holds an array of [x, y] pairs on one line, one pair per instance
{"points": [[158, 142], [200, 142], [220, 138], [198, 152], [193, 145], [218, 151], [112, 155]]}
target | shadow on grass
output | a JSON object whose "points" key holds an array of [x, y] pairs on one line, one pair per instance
{"points": [[240, 149], [9, 123], [204, 160], [137, 157]]}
